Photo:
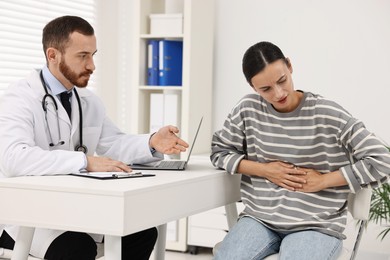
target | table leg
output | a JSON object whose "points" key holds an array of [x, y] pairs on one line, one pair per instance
{"points": [[231, 214], [23, 243], [159, 250], [112, 247]]}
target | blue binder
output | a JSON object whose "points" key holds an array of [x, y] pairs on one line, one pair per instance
{"points": [[170, 63], [152, 77]]}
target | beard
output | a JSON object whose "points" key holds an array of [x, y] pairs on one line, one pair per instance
{"points": [[73, 77]]}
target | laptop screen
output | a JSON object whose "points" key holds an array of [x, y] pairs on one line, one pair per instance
{"points": [[193, 142]]}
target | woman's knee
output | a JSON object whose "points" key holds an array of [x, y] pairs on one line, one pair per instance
{"points": [[310, 245], [248, 239]]}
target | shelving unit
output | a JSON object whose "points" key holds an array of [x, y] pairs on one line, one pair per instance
{"points": [[195, 94]]}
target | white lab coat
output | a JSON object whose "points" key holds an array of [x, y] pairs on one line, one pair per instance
{"points": [[25, 138]]}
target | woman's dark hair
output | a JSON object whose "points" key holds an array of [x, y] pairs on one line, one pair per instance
{"points": [[258, 56], [56, 33]]}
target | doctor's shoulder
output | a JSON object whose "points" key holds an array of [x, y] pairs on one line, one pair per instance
{"points": [[20, 89], [90, 100]]}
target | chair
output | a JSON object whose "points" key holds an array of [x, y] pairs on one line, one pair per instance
{"points": [[359, 207]]}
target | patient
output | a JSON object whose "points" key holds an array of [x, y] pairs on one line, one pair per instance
{"points": [[299, 154]]}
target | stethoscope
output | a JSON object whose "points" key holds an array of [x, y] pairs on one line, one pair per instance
{"points": [[80, 147]]}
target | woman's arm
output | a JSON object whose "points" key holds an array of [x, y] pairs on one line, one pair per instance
{"points": [[315, 181]]}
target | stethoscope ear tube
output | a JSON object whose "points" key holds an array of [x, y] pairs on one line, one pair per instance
{"points": [[80, 147], [44, 102]]}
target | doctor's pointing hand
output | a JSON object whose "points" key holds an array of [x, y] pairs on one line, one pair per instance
{"points": [[166, 141]]}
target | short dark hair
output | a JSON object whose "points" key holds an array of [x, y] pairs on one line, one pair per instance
{"points": [[258, 56], [56, 33]]}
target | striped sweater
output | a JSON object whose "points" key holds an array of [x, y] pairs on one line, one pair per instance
{"points": [[318, 134]]}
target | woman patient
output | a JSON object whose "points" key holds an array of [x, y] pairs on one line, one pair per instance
{"points": [[299, 155]]}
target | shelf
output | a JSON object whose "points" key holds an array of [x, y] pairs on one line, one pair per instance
{"points": [[160, 88], [150, 36], [194, 97]]}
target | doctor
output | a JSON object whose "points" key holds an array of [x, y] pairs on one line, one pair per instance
{"points": [[39, 137]]}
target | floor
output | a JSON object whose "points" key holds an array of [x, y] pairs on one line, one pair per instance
{"points": [[202, 254], [205, 254]]}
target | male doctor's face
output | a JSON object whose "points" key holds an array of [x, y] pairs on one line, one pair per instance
{"points": [[77, 63]]}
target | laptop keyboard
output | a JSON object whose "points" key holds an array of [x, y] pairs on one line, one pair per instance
{"points": [[170, 164]]}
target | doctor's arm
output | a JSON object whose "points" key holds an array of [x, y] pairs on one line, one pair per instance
{"points": [[164, 141], [136, 149]]}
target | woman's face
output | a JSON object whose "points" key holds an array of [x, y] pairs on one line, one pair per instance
{"points": [[275, 85]]}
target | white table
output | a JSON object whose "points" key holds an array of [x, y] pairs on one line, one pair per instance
{"points": [[114, 208]]}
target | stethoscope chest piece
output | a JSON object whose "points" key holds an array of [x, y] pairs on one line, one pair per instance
{"points": [[81, 148]]}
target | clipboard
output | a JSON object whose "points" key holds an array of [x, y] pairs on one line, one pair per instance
{"points": [[112, 175]]}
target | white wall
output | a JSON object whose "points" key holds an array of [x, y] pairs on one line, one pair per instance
{"points": [[338, 48], [107, 58], [114, 30]]}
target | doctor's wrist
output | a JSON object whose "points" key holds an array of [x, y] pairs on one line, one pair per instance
{"points": [[84, 167], [151, 148]]}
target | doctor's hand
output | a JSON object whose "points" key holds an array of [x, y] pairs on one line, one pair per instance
{"points": [[166, 141], [104, 164]]}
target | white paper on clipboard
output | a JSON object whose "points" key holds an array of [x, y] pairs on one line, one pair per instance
{"points": [[112, 175]]}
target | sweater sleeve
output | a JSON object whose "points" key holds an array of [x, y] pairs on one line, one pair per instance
{"points": [[228, 145], [370, 159]]}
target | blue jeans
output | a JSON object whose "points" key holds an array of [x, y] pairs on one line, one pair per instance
{"points": [[251, 240]]}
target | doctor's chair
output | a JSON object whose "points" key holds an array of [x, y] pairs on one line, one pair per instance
{"points": [[359, 207]]}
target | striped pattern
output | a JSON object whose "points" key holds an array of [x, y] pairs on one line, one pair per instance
{"points": [[319, 134]]}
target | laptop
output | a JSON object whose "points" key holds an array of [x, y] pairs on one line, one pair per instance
{"points": [[173, 165]]}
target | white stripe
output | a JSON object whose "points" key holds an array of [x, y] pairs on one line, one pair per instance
{"points": [[300, 147], [297, 127], [287, 155], [271, 211], [284, 197], [285, 224], [236, 144], [301, 137], [266, 115], [260, 181]]}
